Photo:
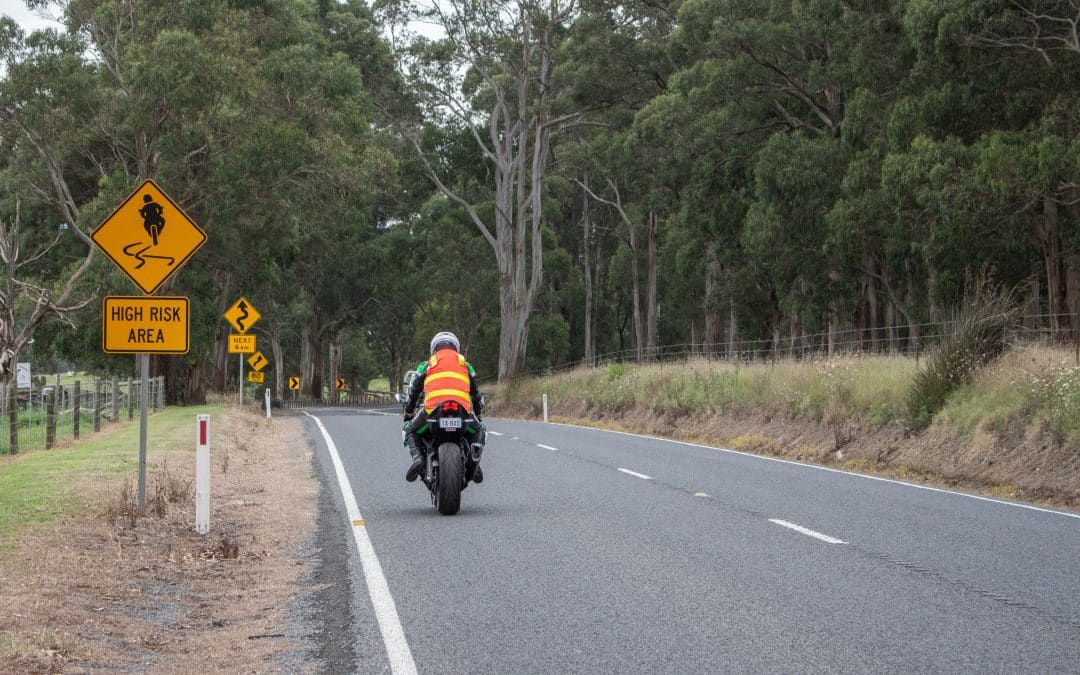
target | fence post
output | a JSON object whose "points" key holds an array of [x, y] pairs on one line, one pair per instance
{"points": [[50, 420], [161, 392], [97, 404], [13, 418], [131, 402], [76, 408], [116, 399]]}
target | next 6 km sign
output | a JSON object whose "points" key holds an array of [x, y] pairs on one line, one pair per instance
{"points": [[152, 325]]}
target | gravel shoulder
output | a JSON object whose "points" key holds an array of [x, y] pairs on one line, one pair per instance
{"points": [[104, 589]]}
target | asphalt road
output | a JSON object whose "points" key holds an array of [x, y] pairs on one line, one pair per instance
{"points": [[606, 552]]}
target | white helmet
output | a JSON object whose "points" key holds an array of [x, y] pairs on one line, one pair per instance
{"points": [[445, 337]]}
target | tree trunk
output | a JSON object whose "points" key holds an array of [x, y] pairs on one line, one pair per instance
{"points": [[732, 331], [221, 338], [635, 283], [1031, 314], [309, 368], [891, 321], [652, 309], [336, 352], [714, 320], [279, 365], [872, 303], [1051, 244], [586, 223]]}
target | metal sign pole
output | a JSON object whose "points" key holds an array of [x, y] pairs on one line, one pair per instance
{"points": [[241, 380], [144, 403]]}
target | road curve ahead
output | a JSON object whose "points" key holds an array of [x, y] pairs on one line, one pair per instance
{"points": [[592, 551]]}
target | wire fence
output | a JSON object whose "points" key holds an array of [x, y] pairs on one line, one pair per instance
{"points": [[913, 340], [346, 400], [42, 417]]}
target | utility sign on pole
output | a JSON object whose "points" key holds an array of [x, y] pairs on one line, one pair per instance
{"points": [[149, 238]]}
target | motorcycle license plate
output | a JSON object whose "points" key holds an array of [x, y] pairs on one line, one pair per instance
{"points": [[450, 423]]}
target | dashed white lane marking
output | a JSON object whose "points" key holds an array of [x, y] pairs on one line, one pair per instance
{"points": [[546, 447], [815, 467], [393, 634], [635, 474], [494, 433], [799, 528]]}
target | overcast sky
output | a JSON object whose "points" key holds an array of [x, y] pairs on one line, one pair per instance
{"points": [[30, 21]]}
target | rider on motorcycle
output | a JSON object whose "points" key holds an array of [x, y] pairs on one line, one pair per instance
{"points": [[446, 376]]}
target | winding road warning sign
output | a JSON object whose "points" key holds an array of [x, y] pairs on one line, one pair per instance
{"points": [[242, 315], [149, 237]]}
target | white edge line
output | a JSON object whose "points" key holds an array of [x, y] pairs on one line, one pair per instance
{"points": [[546, 447], [635, 474], [494, 433], [825, 468], [393, 634], [799, 528]]}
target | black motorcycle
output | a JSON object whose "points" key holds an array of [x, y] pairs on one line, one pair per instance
{"points": [[450, 463]]}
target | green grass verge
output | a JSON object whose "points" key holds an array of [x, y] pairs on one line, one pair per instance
{"points": [[379, 384], [41, 485]]}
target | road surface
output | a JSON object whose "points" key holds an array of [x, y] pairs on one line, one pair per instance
{"points": [[593, 551]]}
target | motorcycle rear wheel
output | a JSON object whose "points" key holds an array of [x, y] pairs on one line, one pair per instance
{"points": [[451, 471]]}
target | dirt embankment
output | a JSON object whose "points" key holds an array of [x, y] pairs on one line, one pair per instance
{"points": [[106, 590], [1027, 465]]}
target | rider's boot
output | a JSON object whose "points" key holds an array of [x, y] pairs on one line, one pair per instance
{"points": [[413, 443]]}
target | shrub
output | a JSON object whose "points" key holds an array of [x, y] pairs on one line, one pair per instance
{"points": [[980, 333]]}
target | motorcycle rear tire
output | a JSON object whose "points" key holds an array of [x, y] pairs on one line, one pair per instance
{"points": [[451, 471]]}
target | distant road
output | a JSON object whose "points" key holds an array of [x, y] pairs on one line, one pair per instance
{"points": [[590, 551]]}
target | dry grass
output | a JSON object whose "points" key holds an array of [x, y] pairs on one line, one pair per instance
{"points": [[1034, 386], [104, 589], [869, 388]]}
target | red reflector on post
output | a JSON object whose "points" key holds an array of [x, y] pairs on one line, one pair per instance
{"points": [[202, 432]]}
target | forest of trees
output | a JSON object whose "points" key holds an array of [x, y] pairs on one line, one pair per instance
{"points": [[551, 179]]}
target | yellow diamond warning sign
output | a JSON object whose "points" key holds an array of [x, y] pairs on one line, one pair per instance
{"points": [[136, 325], [257, 361], [149, 237], [241, 344], [242, 315]]}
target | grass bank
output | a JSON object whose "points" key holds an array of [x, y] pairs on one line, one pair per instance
{"points": [[41, 485], [1014, 428]]}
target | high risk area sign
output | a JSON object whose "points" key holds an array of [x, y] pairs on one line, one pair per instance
{"points": [[152, 325]]}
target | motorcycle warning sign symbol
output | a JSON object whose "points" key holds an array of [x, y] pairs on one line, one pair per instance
{"points": [[149, 237]]}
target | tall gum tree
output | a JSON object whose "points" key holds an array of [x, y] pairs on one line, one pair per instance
{"points": [[492, 74]]}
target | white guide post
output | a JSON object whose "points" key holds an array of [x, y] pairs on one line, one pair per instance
{"points": [[267, 404], [545, 408], [202, 474]]}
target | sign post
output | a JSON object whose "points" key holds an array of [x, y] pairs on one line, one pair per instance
{"points": [[149, 238], [242, 315]]}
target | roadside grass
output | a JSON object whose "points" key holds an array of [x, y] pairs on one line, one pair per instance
{"points": [[870, 388], [1028, 385], [379, 384], [42, 485], [1033, 385]]}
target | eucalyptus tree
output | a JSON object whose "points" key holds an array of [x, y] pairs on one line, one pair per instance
{"points": [[492, 74]]}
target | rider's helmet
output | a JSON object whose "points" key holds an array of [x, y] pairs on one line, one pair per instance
{"points": [[443, 340]]}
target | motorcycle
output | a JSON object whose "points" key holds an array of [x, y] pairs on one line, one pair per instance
{"points": [[450, 461]]}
